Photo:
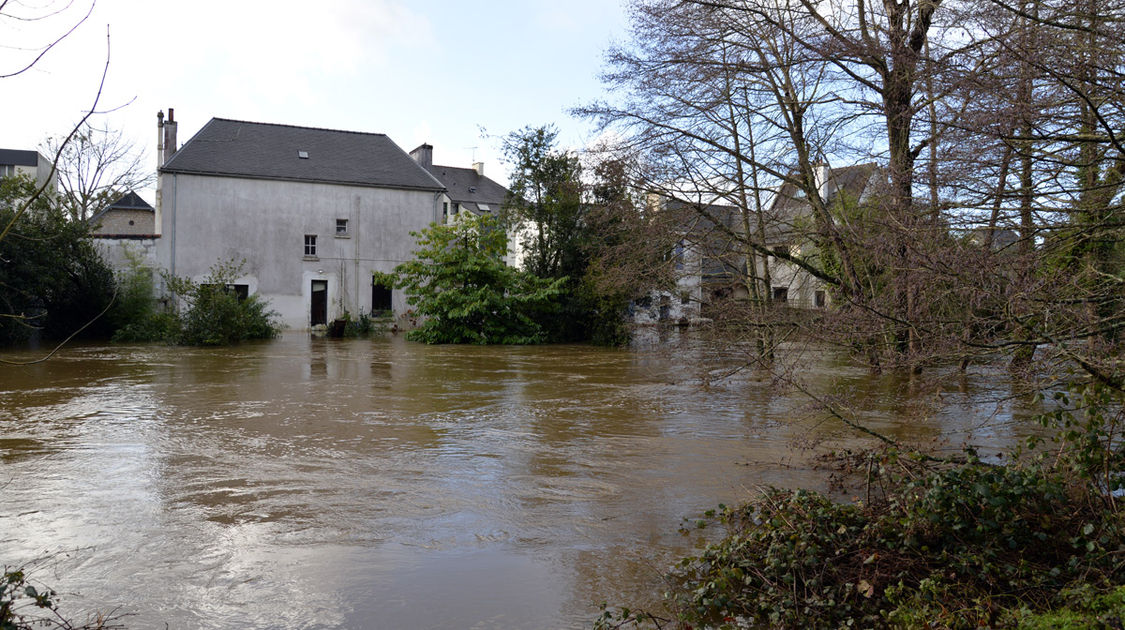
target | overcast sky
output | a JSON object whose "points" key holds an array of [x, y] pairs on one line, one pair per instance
{"points": [[433, 71]]}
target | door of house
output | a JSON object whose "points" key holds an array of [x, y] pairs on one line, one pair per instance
{"points": [[380, 298], [318, 312]]}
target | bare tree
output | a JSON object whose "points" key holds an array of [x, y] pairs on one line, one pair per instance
{"points": [[1019, 104], [95, 167]]}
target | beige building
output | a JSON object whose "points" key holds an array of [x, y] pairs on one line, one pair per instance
{"points": [[128, 216]]}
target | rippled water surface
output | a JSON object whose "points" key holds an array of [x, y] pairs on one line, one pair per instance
{"points": [[312, 483]]}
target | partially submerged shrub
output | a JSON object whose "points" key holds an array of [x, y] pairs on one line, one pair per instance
{"points": [[24, 606], [1037, 543], [212, 313], [971, 546]]}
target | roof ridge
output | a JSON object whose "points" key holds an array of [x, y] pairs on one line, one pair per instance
{"points": [[305, 127]]}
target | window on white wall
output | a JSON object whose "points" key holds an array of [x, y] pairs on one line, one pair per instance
{"points": [[341, 227], [310, 244]]}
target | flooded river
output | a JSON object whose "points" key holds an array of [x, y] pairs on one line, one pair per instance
{"points": [[313, 483]]}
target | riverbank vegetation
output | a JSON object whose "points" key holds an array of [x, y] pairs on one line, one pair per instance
{"points": [[459, 284], [990, 230], [1036, 542], [52, 280], [586, 251], [208, 313], [24, 606]]}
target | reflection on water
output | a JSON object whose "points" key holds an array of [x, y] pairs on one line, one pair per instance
{"points": [[382, 484]]}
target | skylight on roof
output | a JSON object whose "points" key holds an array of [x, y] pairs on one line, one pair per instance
{"points": [[484, 207], [304, 155]]}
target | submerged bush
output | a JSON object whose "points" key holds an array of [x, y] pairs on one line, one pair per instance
{"points": [[24, 606], [1037, 543], [972, 546], [212, 313]]}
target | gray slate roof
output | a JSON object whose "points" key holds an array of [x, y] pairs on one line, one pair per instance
{"points": [[466, 187], [234, 148], [852, 180], [18, 157]]}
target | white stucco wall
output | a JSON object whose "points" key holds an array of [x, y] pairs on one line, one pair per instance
{"points": [[122, 253], [208, 219]]}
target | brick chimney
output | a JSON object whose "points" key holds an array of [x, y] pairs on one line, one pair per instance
{"points": [[423, 155], [165, 149], [168, 127]]}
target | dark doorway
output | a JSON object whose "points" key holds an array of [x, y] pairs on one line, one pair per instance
{"points": [[318, 312], [380, 298]]}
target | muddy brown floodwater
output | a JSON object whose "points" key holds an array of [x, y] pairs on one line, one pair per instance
{"points": [[312, 483]]}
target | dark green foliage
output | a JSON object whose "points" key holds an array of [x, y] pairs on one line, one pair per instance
{"points": [[211, 313], [1036, 543], [214, 314], [967, 547], [135, 316], [546, 192], [14, 592], [363, 326], [51, 277], [24, 606], [590, 235], [459, 283]]}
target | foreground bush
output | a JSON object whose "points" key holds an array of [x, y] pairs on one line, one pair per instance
{"points": [[1039, 544], [24, 606]]}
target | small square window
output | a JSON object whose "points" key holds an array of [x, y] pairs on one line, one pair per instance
{"points": [[781, 294], [310, 244], [341, 227]]}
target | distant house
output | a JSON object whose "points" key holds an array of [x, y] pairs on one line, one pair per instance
{"points": [[1003, 239], [31, 163], [469, 190], [127, 216], [313, 212], [466, 189], [708, 262], [789, 216], [125, 232]]}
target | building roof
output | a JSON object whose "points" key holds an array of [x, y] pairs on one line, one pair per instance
{"points": [[852, 180], [128, 201], [474, 192], [17, 157], [234, 148]]}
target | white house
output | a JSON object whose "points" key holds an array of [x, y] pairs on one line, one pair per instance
{"points": [[125, 233], [313, 212], [31, 163], [469, 190], [789, 217]]}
